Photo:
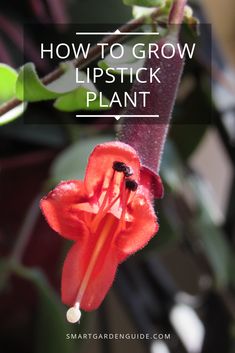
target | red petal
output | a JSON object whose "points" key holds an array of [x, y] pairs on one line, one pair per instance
{"points": [[100, 163], [142, 228], [152, 184], [57, 208], [75, 267]]}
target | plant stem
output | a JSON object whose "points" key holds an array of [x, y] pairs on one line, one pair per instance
{"points": [[177, 12], [13, 263], [81, 62], [26, 231]]}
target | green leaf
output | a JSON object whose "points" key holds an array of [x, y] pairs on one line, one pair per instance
{"points": [[213, 239], [71, 163], [217, 251], [171, 167], [145, 3], [168, 235], [30, 88], [8, 77], [52, 326], [71, 96], [139, 11], [77, 100], [192, 135], [12, 114]]}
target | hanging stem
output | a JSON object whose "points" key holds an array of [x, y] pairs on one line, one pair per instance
{"points": [[26, 231], [13, 263], [145, 134], [177, 12]]}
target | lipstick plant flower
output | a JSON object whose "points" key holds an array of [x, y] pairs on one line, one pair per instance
{"points": [[109, 216]]}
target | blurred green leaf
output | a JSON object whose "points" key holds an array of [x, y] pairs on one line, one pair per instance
{"points": [[71, 96], [217, 250], [77, 100], [171, 168], [72, 162], [8, 77], [191, 134], [145, 3], [30, 88], [13, 114], [213, 239], [139, 11], [214, 243], [52, 326], [168, 235], [114, 11]]}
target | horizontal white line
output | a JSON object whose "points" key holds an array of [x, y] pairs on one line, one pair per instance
{"points": [[117, 117], [122, 116], [116, 33]]}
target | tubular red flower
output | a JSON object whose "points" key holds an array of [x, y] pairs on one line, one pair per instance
{"points": [[109, 216]]}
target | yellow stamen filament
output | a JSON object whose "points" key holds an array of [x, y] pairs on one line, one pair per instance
{"points": [[108, 207], [102, 238], [122, 219], [99, 215], [73, 314]]}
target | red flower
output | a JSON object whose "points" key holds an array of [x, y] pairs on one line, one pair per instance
{"points": [[109, 216]]}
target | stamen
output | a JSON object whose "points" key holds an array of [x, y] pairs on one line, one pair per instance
{"points": [[107, 203], [126, 186], [131, 184], [119, 166], [73, 315], [99, 215], [124, 201], [102, 239]]}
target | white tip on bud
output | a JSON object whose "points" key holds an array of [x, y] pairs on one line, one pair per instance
{"points": [[188, 11], [74, 314]]}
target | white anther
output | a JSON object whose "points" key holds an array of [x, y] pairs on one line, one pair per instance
{"points": [[73, 315]]}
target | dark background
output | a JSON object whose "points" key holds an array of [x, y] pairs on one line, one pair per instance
{"points": [[189, 264]]}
